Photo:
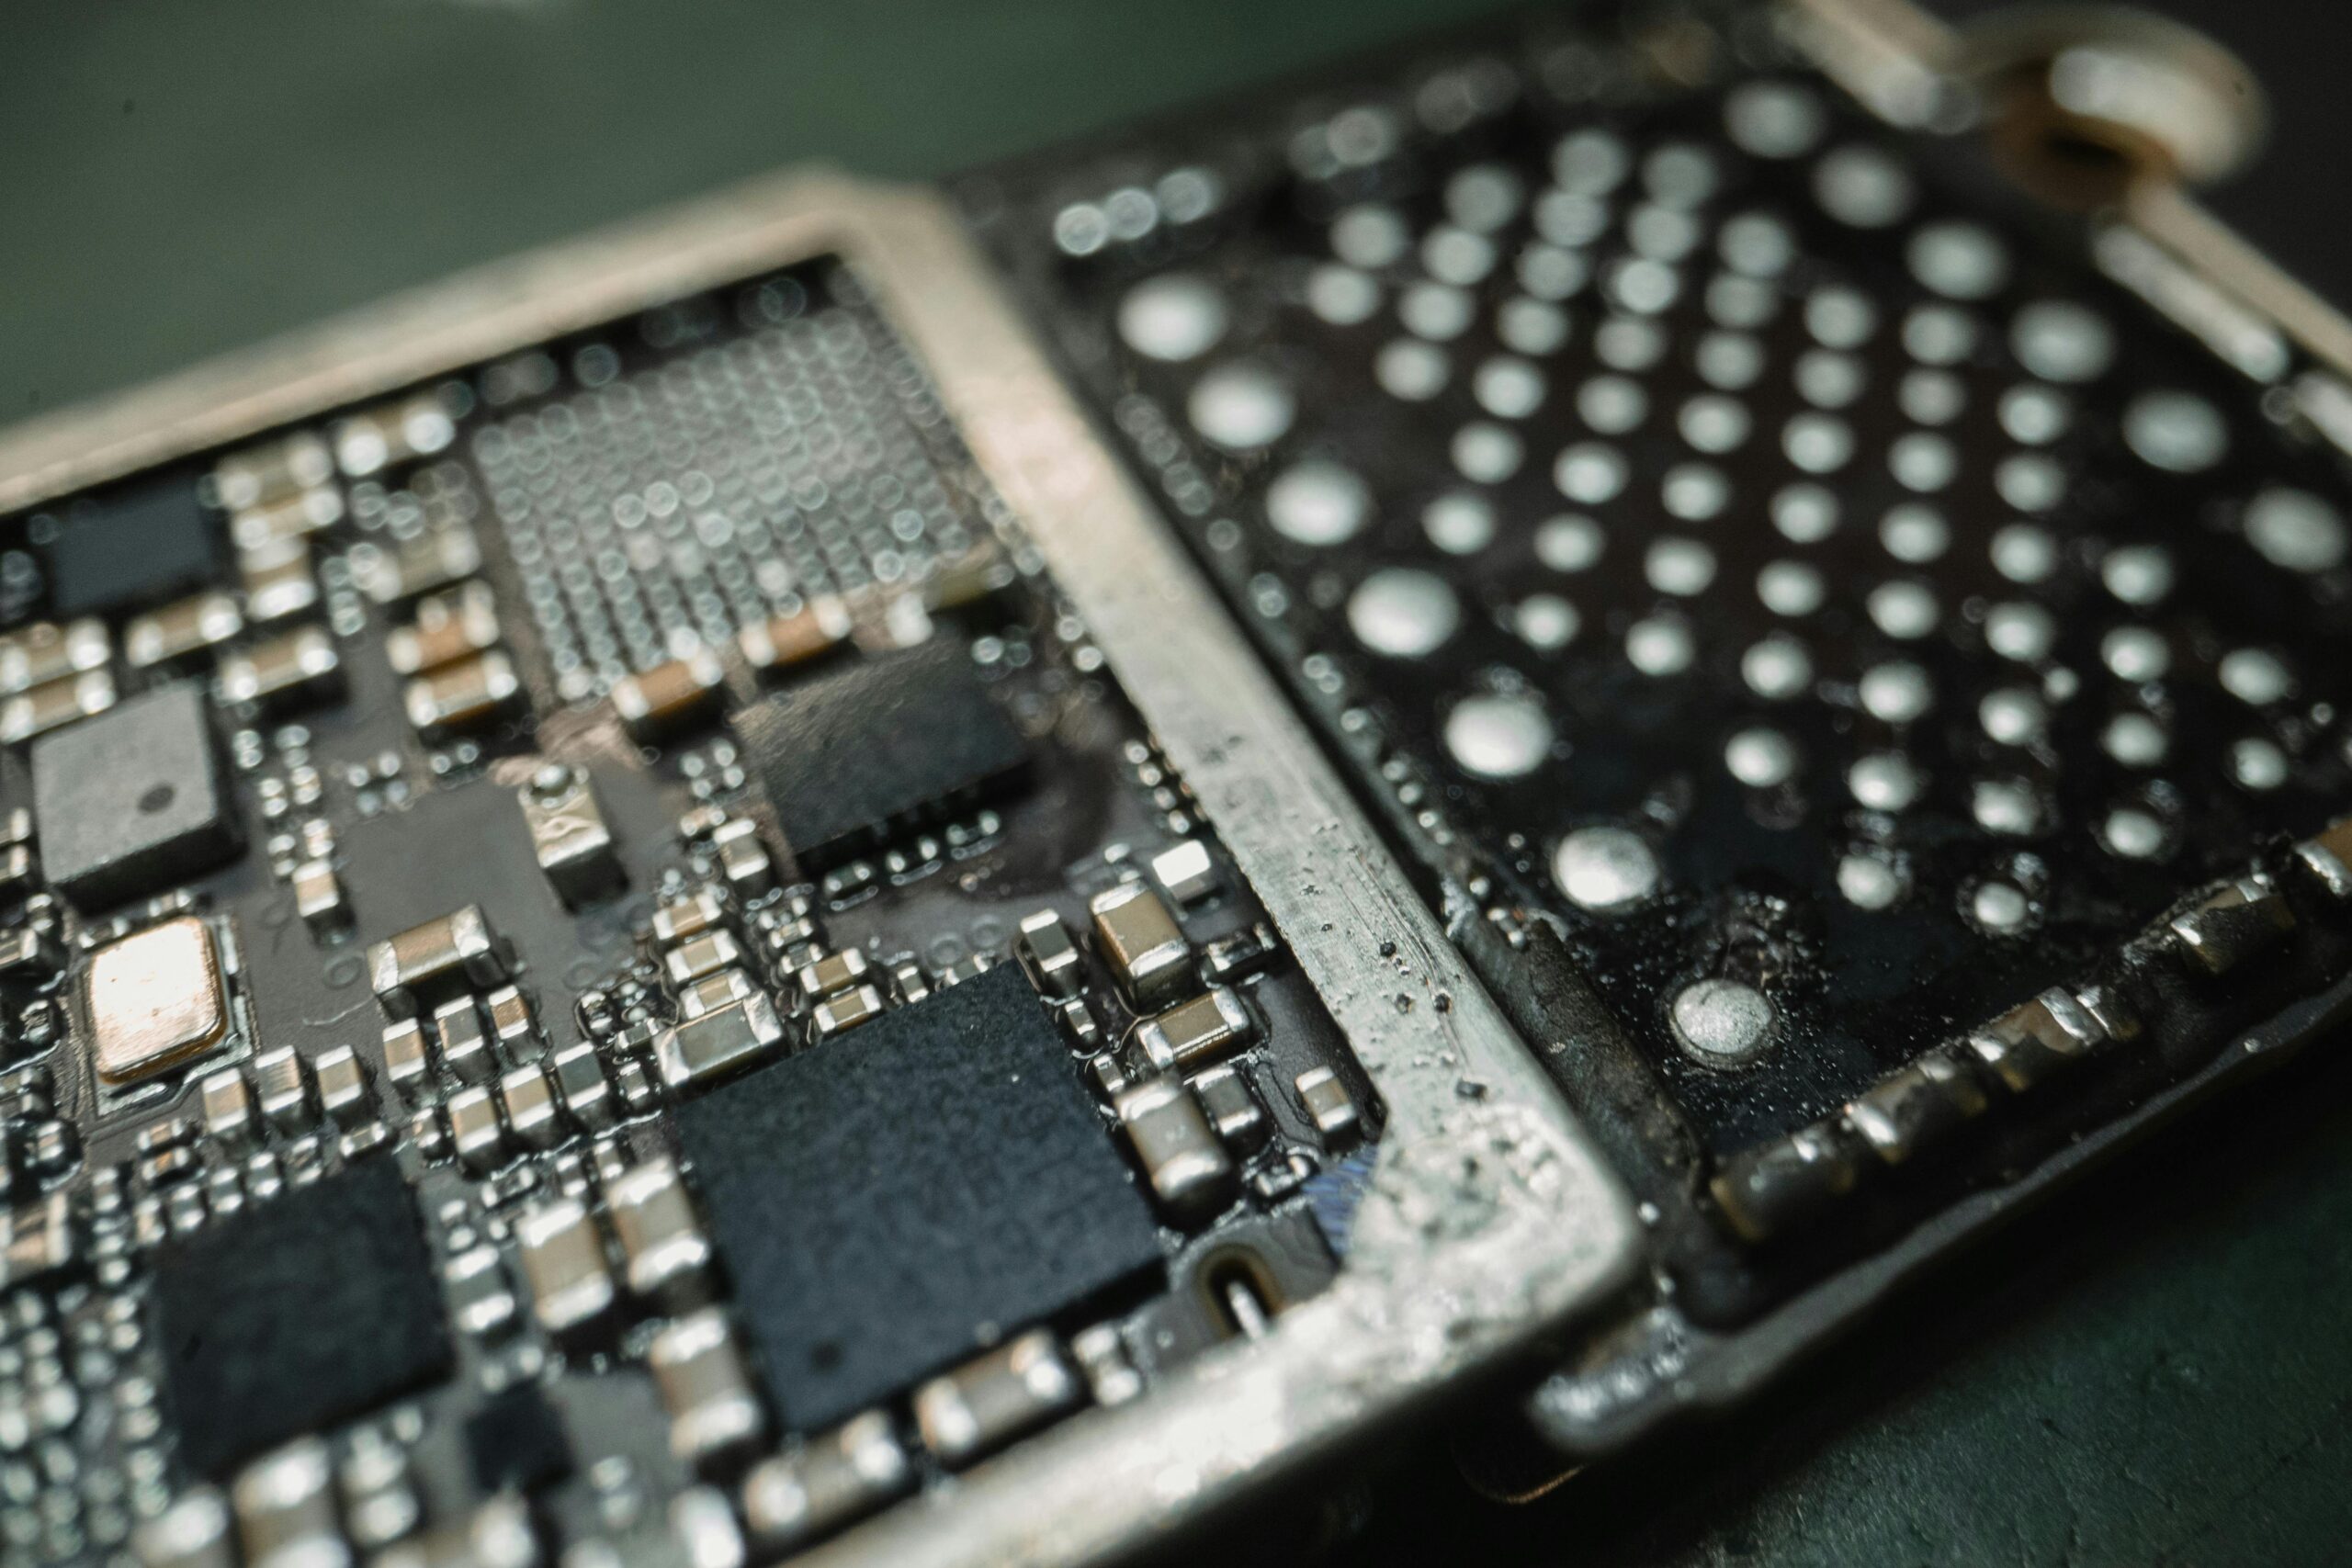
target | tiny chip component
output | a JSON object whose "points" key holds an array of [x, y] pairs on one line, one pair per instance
{"points": [[657, 703], [471, 694], [156, 999], [458, 948], [1143, 944], [851, 755], [283, 672], [888, 1203], [133, 800], [782, 642], [569, 834], [312, 1307]]}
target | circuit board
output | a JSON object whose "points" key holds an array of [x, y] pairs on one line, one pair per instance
{"points": [[1859, 658], [593, 940], [871, 876]]}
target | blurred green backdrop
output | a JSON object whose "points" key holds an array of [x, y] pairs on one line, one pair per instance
{"points": [[2159, 1373]]}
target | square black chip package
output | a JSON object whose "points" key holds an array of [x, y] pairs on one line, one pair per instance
{"points": [[310, 1308], [143, 545], [892, 1201], [850, 755], [134, 800]]}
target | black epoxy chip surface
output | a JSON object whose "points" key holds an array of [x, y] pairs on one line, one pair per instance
{"points": [[517, 1440], [894, 1199], [311, 1308], [851, 754], [143, 546]]}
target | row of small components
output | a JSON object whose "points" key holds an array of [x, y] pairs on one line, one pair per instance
{"points": [[459, 676], [298, 1506], [725, 1018], [717, 1416], [1920, 1109], [1184, 1109]]}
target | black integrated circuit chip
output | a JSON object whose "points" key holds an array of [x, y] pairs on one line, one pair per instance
{"points": [[516, 1440], [895, 1200], [315, 1307], [142, 546], [133, 800], [848, 756]]}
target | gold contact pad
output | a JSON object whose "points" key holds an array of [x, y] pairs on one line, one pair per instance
{"points": [[156, 999]]}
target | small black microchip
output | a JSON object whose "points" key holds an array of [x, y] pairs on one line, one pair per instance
{"points": [[516, 1440], [133, 800], [313, 1307], [143, 545], [850, 755], [892, 1201]]}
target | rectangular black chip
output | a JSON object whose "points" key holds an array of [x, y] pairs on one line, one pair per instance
{"points": [[850, 755], [311, 1308], [897, 1199]]}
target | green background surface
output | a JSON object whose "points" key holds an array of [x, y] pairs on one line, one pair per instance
{"points": [[2158, 1370]]}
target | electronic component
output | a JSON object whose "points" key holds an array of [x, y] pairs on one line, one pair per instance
{"points": [[146, 543], [180, 629], [133, 800], [516, 1440], [228, 1102], [528, 1098], [789, 1499], [882, 1202], [470, 693], [1193, 1034], [1233, 1108], [783, 642], [724, 1039], [1188, 872], [375, 439], [860, 1005], [43, 652], [282, 1085], [274, 471], [446, 627], [268, 527], [300, 666], [705, 1387], [569, 834], [458, 949], [1055, 966], [1328, 1104], [280, 581], [660, 1236], [421, 563], [156, 999], [1143, 944], [1191, 1174], [319, 896], [563, 1263], [849, 755], [987, 1403], [655, 703], [53, 707], [309, 1307], [833, 974]]}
